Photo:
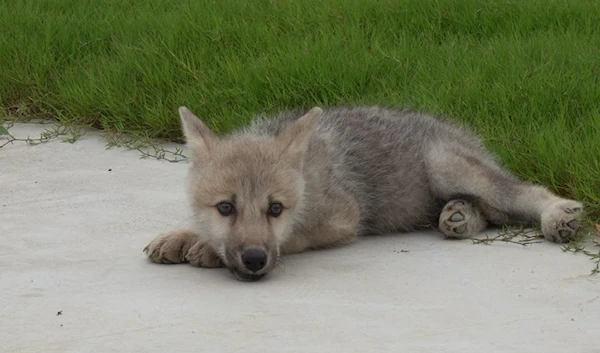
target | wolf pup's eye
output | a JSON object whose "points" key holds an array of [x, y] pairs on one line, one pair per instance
{"points": [[226, 208], [275, 209]]}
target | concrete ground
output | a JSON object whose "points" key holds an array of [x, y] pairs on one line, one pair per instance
{"points": [[75, 217]]}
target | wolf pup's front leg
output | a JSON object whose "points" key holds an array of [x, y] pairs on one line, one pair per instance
{"points": [[182, 246]]}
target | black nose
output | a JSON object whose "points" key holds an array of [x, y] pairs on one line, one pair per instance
{"points": [[254, 259]]}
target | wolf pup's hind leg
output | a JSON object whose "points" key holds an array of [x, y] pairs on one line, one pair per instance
{"points": [[464, 168]]}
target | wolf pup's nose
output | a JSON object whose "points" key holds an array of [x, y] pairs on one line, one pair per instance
{"points": [[254, 259]]}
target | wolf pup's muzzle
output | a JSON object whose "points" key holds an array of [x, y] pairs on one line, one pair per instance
{"points": [[253, 263]]}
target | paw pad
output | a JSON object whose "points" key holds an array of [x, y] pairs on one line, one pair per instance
{"points": [[461, 229], [457, 217], [574, 224], [564, 233]]}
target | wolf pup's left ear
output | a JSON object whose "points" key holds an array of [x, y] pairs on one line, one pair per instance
{"points": [[198, 136], [295, 138]]}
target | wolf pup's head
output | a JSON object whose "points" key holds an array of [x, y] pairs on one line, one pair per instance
{"points": [[246, 190]]}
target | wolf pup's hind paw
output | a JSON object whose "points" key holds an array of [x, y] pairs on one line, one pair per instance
{"points": [[561, 221], [459, 220]]}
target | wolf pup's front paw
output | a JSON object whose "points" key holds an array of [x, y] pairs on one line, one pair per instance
{"points": [[561, 221], [181, 246]]}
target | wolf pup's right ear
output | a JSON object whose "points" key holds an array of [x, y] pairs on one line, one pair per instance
{"points": [[295, 138], [198, 136]]}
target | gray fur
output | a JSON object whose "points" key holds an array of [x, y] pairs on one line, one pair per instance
{"points": [[355, 171], [382, 157]]}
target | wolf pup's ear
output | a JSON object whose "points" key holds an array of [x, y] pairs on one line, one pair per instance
{"points": [[197, 135], [295, 138]]}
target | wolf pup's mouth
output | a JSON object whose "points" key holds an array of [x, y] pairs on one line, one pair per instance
{"points": [[247, 277]]}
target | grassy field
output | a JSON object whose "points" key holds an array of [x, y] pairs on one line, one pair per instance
{"points": [[523, 74]]}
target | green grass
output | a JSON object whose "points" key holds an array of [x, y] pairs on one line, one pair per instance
{"points": [[523, 74]]}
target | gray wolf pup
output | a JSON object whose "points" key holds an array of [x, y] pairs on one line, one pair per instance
{"points": [[315, 179]]}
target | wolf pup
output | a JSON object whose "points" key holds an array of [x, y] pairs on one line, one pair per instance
{"points": [[316, 179]]}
